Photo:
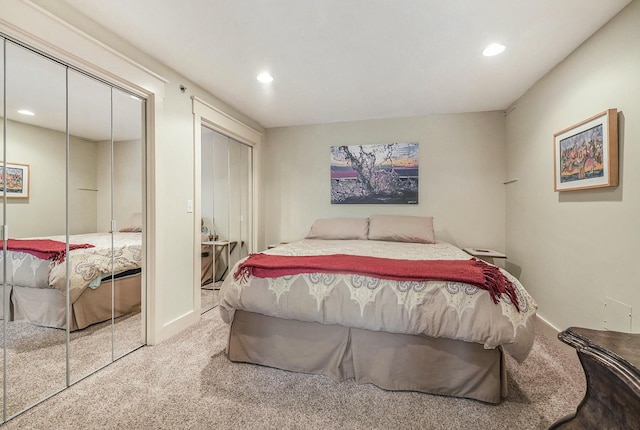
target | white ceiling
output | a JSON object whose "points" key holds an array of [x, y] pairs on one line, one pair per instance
{"points": [[344, 60], [39, 85]]}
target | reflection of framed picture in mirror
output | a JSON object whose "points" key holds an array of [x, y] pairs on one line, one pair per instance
{"points": [[17, 179]]}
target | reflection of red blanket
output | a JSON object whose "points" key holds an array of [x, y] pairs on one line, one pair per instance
{"points": [[475, 272], [45, 249]]}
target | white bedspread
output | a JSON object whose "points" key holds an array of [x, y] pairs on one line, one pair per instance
{"points": [[433, 308]]}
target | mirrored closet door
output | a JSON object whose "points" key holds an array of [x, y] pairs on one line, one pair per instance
{"points": [[240, 190], [226, 185], [35, 140], [72, 203], [128, 191], [5, 297]]}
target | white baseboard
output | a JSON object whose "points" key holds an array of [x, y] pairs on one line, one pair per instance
{"points": [[549, 331], [175, 326]]}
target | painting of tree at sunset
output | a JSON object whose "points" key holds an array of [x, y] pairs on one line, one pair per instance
{"points": [[375, 174]]}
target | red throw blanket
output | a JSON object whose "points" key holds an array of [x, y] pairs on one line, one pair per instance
{"points": [[45, 249], [475, 272]]}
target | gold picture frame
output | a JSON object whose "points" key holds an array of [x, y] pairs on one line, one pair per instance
{"points": [[586, 154]]}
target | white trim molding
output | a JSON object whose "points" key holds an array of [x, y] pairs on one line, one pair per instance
{"points": [[224, 123]]}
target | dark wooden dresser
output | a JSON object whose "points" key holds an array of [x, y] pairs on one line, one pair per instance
{"points": [[611, 363]]}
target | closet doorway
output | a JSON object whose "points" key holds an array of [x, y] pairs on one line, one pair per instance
{"points": [[226, 218], [225, 206], [72, 187]]}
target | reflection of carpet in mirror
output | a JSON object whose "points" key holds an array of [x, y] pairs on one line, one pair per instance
{"points": [[212, 285], [36, 356], [208, 299]]}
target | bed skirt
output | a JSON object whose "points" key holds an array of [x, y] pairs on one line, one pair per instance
{"points": [[46, 306], [396, 362], [6, 295]]}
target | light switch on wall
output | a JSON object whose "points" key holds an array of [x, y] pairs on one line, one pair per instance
{"points": [[189, 206]]}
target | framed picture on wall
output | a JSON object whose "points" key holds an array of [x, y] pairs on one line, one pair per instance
{"points": [[375, 174], [586, 154], [17, 179]]}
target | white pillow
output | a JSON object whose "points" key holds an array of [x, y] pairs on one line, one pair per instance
{"points": [[401, 228], [339, 228], [133, 224]]}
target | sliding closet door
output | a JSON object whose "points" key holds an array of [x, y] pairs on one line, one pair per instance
{"points": [[35, 171], [89, 110], [217, 215], [221, 197], [235, 210], [239, 199], [105, 191], [227, 196], [127, 203], [5, 297], [209, 232], [246, 199], [71, 172]]}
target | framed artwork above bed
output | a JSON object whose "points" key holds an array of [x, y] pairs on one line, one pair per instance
{"points": [[586, 154], [375, 174], [17, 179]]}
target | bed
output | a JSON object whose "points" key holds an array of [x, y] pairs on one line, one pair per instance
{"points": [[36, 281], [353, 300]]}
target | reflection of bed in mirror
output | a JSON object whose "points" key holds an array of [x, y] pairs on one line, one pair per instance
{"points": [[38, 279]]}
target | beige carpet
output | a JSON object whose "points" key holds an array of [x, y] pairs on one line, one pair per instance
{"points": [[36, 356], [208, 294], [187, 382]]}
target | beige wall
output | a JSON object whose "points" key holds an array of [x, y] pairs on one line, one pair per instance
{"points": [[574, 249], [83, 162], [127, 182], [44, 213], [462, 170]]}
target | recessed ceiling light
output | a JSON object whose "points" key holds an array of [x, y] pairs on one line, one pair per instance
{"points": [[493, 49], [26, 112], [265, 77]]}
